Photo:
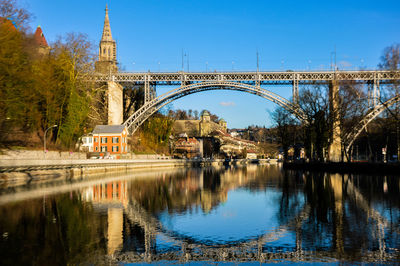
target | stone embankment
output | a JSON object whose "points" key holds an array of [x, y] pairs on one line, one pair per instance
{"points": [[27, 170], [22, 167]]}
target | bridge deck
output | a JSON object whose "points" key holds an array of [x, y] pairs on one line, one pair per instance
{"points": [[171, 78]]}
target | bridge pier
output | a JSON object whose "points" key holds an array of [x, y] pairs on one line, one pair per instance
{"points": [[115, 103], [295, 88], [335, 144], [374, 93], [114, 230]]}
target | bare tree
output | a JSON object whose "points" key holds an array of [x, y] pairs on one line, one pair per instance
{"points": [[390, 60], [10, 10], [353, 104], [286, 128], [314, 102]]}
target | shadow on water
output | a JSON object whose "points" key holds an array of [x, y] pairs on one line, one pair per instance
{"points": [[253, 213]]}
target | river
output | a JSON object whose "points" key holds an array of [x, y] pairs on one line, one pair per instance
{"points": [[248, 214]]}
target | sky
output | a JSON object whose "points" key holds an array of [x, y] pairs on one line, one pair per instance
{"points": [[222, 35]]}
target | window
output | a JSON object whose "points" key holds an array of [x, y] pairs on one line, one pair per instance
{"points": [[103, 139], [90, 139], [115, 140], [104, 148], [115, 148], [97, 148]]}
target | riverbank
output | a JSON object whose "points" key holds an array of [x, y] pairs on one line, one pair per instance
{"points": [[343, 167], [18, 172]]}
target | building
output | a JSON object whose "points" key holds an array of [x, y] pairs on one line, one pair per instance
{"points": [[107, 62], [186, 147], [40, 41], [199, 128], [87, 143], [110, 139], [8, 24], [222, 123]]}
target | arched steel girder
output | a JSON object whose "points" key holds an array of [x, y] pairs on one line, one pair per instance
{"points": [[143, 113], [371, 115]]}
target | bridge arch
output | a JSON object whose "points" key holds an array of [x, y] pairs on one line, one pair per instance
{"points": [[371, 115], [149, 108], [138, 215]]}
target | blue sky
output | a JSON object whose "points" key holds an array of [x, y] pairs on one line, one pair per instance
{"points": [[225, 35]]}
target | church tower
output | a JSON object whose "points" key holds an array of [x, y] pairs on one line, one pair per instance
{"points": [[107, 62]]}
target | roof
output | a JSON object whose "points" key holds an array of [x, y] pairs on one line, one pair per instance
{"points": [[39, 37], [205, 112], [8, 22], [114, 129]]}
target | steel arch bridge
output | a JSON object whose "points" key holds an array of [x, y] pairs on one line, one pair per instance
{"points": [[250, 82], [143, 113], [369, 117]]}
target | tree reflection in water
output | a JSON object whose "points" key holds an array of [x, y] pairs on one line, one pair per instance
{"points": [[319, 216], [54, 231]]}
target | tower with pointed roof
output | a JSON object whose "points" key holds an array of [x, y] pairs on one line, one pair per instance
{"points": [[40, 41], [107, 62]]}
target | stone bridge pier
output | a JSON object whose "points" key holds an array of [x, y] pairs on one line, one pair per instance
{"points": [[335, 142], [115, 103]]}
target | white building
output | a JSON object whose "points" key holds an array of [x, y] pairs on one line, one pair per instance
{"points": [[87, 143]]}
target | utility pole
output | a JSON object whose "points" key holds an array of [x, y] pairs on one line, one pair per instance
{"points": [[187, 62], [258, 65], [182, 61], [335, 59]]}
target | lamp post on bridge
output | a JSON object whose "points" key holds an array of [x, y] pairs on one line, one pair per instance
{"points": [[44, 142]]}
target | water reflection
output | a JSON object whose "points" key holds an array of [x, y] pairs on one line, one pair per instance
{"points": [[256, 213]]}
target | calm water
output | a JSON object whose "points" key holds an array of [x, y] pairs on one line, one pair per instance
{"points": [[253, 214]]}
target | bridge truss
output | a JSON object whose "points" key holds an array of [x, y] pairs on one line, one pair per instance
{"points": [[294, 78], [251, 82]]}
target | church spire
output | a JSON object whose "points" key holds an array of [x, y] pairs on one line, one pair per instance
{"points": [[106, 29], [107, 49]]}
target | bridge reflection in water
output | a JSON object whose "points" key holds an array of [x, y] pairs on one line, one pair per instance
{"points": [[328, 216], [255, 213]]}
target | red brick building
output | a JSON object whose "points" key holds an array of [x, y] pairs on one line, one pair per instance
{"points": [[111, 139]]}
